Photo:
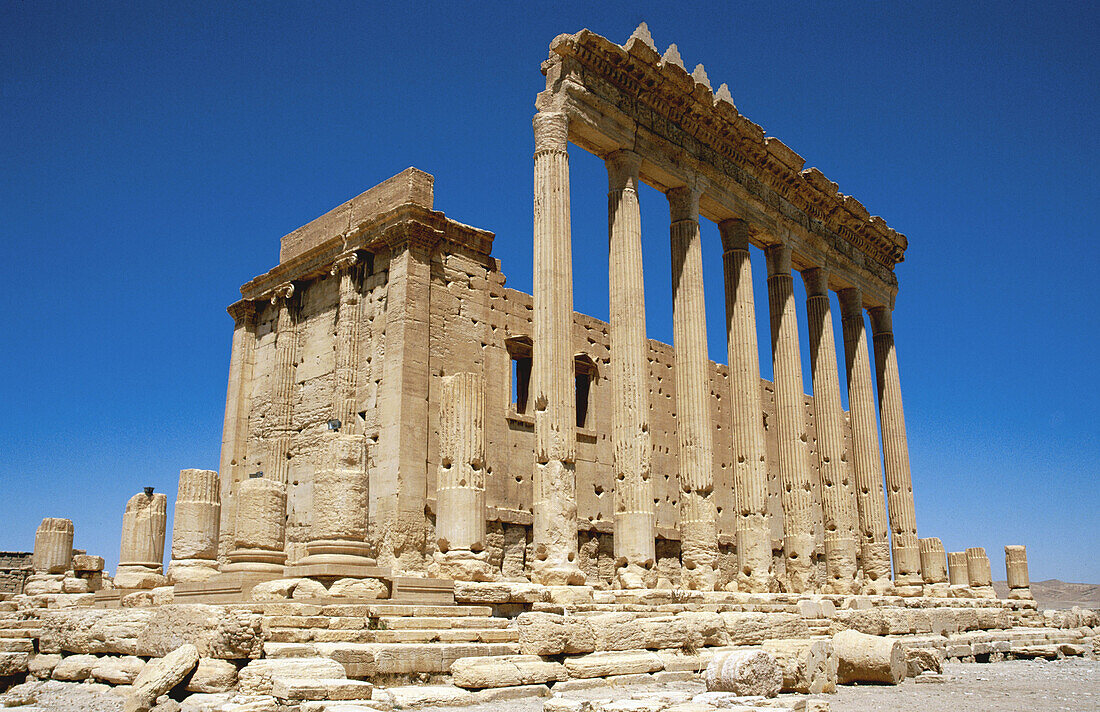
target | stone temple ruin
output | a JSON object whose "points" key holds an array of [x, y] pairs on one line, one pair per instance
{"points": [[426, 473]]}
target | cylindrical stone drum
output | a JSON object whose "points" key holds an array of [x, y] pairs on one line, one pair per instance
{"points": [[261, 515], [197, 516], [53, 546], [957, 568], [977, 567], [933, 560], [143, 526], [1016, 566], [744, 672], [340, 492], [460, 492], [868, 658]]}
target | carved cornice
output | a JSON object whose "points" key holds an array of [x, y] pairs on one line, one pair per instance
{"points": [[345, 261], [660, 95], [243, 311]]}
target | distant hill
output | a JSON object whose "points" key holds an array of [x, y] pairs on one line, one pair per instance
{"points": [[1053, 593]]}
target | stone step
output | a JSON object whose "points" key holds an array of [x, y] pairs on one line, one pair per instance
{"points": [[16, 645], [378, 610], [406, 623], [20, 632], [364, 660], [300, 688], [413, 635]]}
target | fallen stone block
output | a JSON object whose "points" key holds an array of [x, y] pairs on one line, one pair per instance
{"points": [[868, 658], [920, 660], [415, 696], [160, 676], [93, 630], [286, 589], [608, 663], [808, 666], [499, 592], [213, 676], [216, 631], [256, 678], [297, 688], [75, 668], [118, 671], [42, 665], [505, 671], [744, 672], [517, 692]]}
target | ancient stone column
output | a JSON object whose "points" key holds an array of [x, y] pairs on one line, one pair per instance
{"points": [[635, 516], [460, 486], [237, 405], [346, 346], [1019, 584], [750, 474], [899, 483], [698, 516], [53, 546], [838, 497], [794, 466], [337, 546], [979, 572], [957, 572], [141, 556], [195, 527], [282, 380], [553, 376], [866, 461], [933, 566], [260, 532]]}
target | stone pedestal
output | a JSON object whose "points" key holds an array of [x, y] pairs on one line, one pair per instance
{"points": [[53, 546], [750, 474], [895, 446], [141, 556], [698, 515], [866, 460], [838, 497], [933, 566], [635, 514], [1019, 583], [553, 378], [260, 531], [794, 467], [337, 546], [460, 486], [979, 572], [195, 527]]}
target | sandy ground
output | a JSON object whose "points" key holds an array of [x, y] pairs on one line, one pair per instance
{"points": [[1071, 685]]}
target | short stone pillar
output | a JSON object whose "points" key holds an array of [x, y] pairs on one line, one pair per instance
{"points": [[260, 530], [460, 487], [979, 572], [957, 575], [1019, 584], [53, 546], [337, 547], [195, 527], [141, 556], [933, 566]]}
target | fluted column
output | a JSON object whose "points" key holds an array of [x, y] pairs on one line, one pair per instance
{"points": [[234, 451], [979, 572], [553, 376], [957, 573], [750, 474], [141, 554], [698, 516], [838, 497], [866, 460], [895, 447], [53, 546], [1019, 583], [259, 537], [635, 516], [282, 379], [794, 466], [933, 566], [195, 527], [460, 486], [346, 343]]}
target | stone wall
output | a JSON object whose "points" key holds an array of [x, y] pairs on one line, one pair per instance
{"points": [[15, 567]]}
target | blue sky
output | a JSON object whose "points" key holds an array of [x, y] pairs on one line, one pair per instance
{"points": [[153, 155]]}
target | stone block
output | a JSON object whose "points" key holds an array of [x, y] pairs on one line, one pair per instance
{"points": [[118, 671], [257, 677], [505, 670], [608, 663], [42, 665], [517, 692], [755, 628], [75, 668], [868, 658], [213, 676], [14, 663], [159, 676], [216, 631], [297, 688], [808, 666], [744, 672], [920, 660], [416, 696]]}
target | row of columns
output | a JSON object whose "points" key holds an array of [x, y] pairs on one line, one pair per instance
{"points": [[854, 504]]}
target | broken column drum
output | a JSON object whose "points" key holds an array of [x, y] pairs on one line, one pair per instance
{"points": [[53, 546], [141, 556], [195, 527], [957, 572], [260, 532], [460, 487], [1019, 583], [933, 565]]}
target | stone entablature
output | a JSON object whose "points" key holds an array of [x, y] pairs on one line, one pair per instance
{"points": [[631, 97]]}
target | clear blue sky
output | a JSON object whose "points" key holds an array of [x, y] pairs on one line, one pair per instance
{"points": [[152, 155]]}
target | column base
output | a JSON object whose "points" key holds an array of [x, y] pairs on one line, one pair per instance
{"points": [[878, 587], [937, 590], [191, 570], [634, 576], [984, 592], [139, 576], [1020, 594], [463, 565], [958, 591], [331, 559], [258, 561], [552, 574], [909, 590]]}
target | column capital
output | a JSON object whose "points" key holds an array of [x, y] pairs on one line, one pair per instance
{"points": [[551, 131], [344, 261], [622, 169], [816, 280], [882, 320], [683, 202], [851, 302], [778, 259], [282, 293], [243, 311], [735, 234]]}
